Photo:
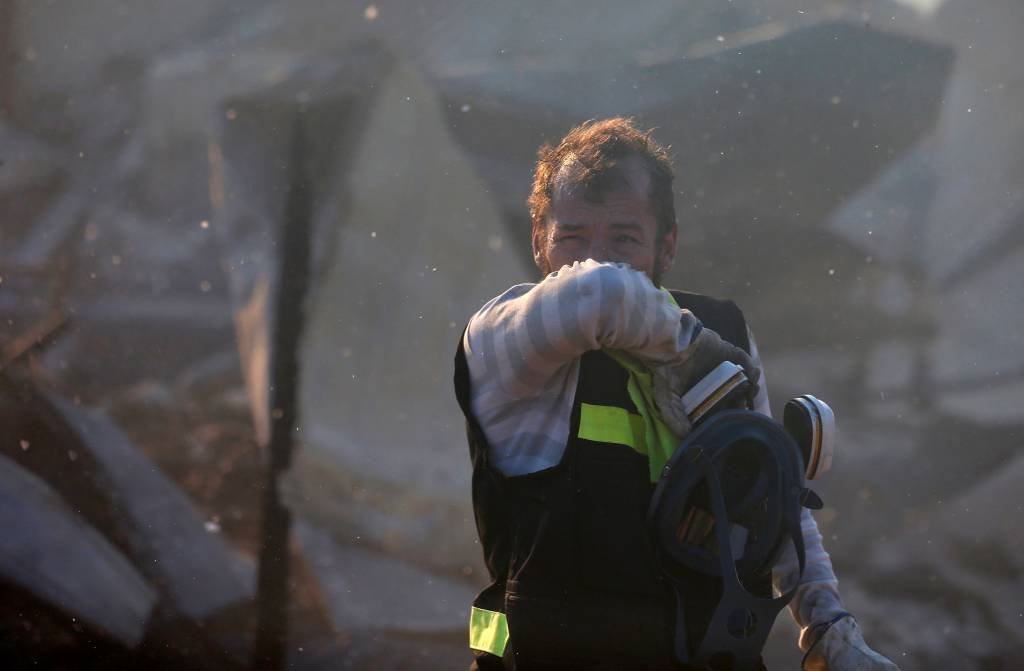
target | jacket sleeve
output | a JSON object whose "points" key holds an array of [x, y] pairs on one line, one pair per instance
{"points": [[817, 596], [519, 341]]}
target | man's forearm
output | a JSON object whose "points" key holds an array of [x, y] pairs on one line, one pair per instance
{"points": [[521, 339], [817, 597]]}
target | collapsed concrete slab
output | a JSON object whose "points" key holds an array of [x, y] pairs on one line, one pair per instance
{"points": [[195, 570], [420, 249], [250, 155], [950, 592], [90, 463], [755, 125], [366, 589], [53, 553]]}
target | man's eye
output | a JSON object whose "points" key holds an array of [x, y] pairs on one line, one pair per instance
{"points": [[626, 238]]}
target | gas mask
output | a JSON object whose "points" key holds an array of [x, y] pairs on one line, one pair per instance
{"points": [[726, 505]]}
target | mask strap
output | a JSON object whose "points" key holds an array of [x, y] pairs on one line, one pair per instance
{"points": [[741, 622]]}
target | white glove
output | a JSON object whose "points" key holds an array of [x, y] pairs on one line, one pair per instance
{"points": [[842, 648], [703, 355]]}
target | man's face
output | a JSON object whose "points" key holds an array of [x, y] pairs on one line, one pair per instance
{"points": [[620, 227]]}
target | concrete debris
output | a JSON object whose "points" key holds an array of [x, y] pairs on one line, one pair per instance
{"points": [[369, 590], [195, 570], [53, 553]]}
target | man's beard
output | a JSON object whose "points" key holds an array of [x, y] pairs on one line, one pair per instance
{"points": [[656, 272]]}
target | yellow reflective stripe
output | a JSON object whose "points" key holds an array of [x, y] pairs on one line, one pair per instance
{"points": [[488, 631], [608, 424]]}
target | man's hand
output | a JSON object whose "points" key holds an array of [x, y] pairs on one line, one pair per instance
{"points": [[842, 648], [705, 352]]}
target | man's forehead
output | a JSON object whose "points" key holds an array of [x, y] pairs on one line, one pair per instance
{"points": [[629, 175]]}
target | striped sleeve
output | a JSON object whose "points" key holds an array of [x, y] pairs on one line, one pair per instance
{"points": [[523, 338], [523, 350]]}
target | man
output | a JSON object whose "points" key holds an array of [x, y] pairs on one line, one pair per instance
{"points": [[562, 463]]}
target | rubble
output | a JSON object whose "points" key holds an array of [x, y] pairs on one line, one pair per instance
{"points": [[49, 550], [195, 570], [899, 311]]}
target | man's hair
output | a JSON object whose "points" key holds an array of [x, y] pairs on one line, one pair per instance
{"points": [[596, 150]]}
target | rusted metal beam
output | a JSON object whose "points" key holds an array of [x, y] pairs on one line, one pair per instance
{"points": [[269, 651]]}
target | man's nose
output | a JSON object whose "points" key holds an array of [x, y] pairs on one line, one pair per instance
{"points": [[600, 251]]}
